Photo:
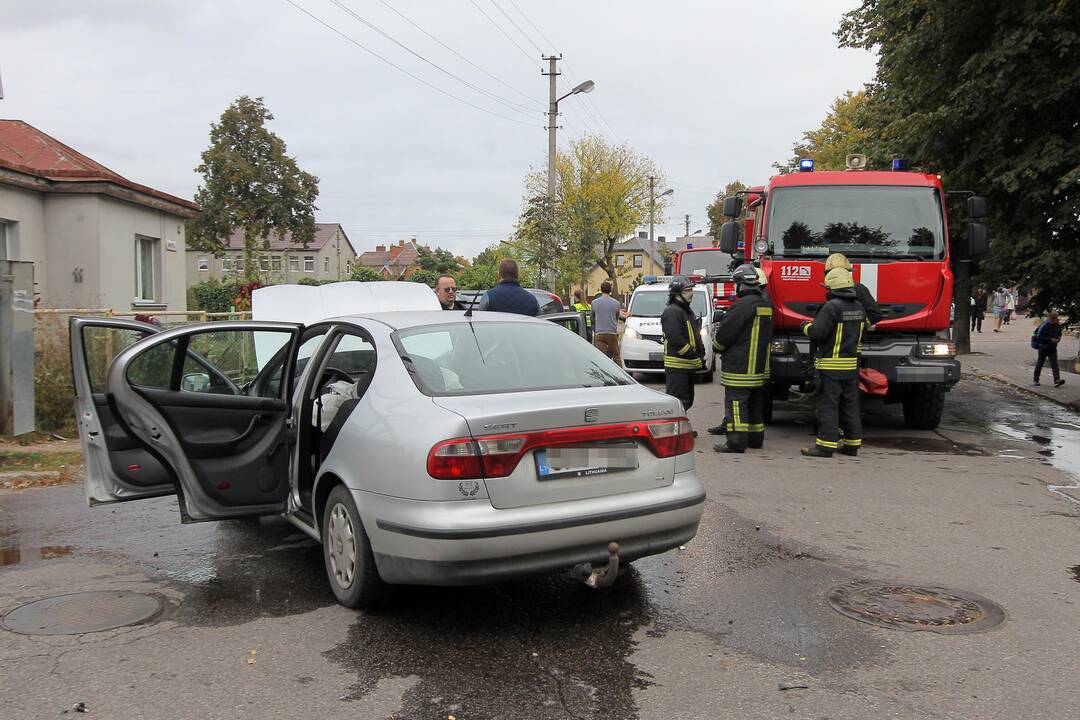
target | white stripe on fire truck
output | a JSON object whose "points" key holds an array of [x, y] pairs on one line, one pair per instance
{"points": [[868, 277]]}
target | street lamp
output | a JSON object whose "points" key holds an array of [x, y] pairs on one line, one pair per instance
{"points": [[653, 197]]}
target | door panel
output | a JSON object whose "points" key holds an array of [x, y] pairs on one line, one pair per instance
{"points": [[198, 397], [572, 321], [118, 467]]}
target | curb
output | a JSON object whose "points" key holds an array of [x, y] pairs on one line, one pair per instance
{"points": [[1073, 405]]}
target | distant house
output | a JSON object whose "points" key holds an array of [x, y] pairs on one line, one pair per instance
{"points": [[393, 262], [96, 239], [633, 261], [329, 256]]}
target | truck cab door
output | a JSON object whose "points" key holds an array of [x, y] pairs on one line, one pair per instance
{"points": [[117, 466], [212, 403]]}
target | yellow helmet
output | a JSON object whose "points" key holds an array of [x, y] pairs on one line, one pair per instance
{"points": [[837, 260], [838, 278]]}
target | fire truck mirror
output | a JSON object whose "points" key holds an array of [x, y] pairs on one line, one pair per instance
{"points": [[978, 239], [729, 235], [976, 207], [732, 206]]}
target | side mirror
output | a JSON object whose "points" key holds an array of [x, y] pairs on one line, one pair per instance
{"points": [[195, 382], [976, 207], [732, 206], [978, 238], [729, 236]]}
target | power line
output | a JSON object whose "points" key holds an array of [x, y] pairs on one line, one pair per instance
{"points": [[504, 101], [523, 33], [506, 34], [534, 27], [403, 70], [455, 52]]}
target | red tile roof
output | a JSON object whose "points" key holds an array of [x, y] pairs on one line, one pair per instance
{"points": [[25, 149]]}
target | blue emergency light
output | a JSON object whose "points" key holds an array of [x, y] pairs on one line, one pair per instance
{"points": [[806, 165], [689, 246], [899, 165]]}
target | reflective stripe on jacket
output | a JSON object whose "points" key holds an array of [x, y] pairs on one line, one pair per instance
{"points": [[744, 338], [837, 330], [683, 349]]}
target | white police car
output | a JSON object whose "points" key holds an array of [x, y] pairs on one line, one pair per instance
{"points": [[642, 346]]}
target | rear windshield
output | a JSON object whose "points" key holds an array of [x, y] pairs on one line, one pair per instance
{"points": [[486, 357], [653, 302]]}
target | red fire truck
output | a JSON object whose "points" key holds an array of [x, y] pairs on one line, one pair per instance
{"points": [[712, 265], [893, 228]]}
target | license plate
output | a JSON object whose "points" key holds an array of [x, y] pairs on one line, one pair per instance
{"points": [[656, 357], [585, 460]]}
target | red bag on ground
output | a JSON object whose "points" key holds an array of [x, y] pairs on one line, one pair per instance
{"points": [[873, 382]]}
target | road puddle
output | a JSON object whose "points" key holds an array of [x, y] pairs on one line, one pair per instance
{"points": [[20, 554], [923, 444]]}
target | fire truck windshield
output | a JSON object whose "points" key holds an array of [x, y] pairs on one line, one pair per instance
{"points": [[869, 221], [710, 263]]}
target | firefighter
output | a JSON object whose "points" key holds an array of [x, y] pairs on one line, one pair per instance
{"points": [[744, 340], [862, 293], [581, 305], [684, 350], [836, 332]]}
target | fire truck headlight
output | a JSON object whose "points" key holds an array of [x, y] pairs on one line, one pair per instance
{"points": [[782, 347], [938, 349], [761, 246]]}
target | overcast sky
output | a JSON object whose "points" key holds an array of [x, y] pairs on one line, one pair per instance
{"points": [[712, 90]]}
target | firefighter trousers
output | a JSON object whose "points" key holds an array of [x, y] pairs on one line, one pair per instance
{"points": [[680, 384], [745, 417], [838, 407]]}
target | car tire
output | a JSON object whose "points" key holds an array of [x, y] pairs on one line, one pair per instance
{"points": [[350, 564]]}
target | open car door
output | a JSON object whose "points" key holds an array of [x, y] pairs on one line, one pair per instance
{"points": [[117, 466], [573, 321], [211, 402]]}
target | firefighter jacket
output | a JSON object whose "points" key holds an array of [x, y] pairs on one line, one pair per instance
{"points": [[874, 313], [585, 308], [744, 337], [837, 330], [683, 348]]}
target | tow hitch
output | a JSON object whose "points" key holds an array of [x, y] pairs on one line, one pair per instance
{"points": [[600, 577]]}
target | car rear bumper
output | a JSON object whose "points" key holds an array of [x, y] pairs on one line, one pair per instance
{"points": [[470, 542]]}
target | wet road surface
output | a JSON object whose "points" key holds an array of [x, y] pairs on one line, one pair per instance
{"points": [[748, 591]]}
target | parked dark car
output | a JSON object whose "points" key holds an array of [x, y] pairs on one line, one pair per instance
{"points": [[549, 302]]}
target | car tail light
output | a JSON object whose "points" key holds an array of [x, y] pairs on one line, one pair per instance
{"points": [[672, 438], [494, 456]]}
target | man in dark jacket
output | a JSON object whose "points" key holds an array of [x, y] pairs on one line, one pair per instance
{"points": [[446, 292], [837, 335], [1045, 340], [684, 350], [744, 340], [508, 296], [873, 311], [978, 309]]}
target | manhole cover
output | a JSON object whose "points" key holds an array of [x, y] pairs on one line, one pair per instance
{"points": [[84, 612], [908, 607]]}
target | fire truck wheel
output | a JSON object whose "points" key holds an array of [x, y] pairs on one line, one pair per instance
{"points": [[923, 406]]}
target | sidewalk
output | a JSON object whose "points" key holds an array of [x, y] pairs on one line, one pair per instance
{"points": [[1007, 357]]}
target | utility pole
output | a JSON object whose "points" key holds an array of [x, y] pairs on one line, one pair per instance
{"points": [[687, 220], [552, 128], [652, 213]]}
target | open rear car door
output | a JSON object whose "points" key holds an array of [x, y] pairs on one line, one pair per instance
{"points": [[211, 404], [574, 321]]}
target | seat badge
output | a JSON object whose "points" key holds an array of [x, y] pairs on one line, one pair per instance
{"points": [[591, 414]]}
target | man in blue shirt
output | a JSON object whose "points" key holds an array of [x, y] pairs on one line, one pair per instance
{"points": [[1046, 340], [508, 296]]}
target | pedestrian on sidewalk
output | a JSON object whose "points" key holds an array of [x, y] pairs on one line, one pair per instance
{"points": [[1010, 305], [998, 305], [1045, 340], [978, 309], [606, 313]]}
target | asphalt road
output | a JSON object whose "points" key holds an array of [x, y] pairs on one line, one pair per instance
{"points": [[713, 630]]}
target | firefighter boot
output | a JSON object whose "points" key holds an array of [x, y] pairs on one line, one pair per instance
{"points": [[725, 448], [851, 451], [816, 451]]}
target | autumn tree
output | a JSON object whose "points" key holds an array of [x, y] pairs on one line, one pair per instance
{"points": [[250, 184], [840, 135]]}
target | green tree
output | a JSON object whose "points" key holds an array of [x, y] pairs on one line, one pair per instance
{"points": [[986, 94], [538, 237], [603, 195], [715, 209], [483, 272], [840, 134], [428, 277], [363, 273], [250, 184], [438, 261]]}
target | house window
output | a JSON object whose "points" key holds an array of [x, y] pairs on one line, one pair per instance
{"points": [[294, 263], [637, 261], [147, 265], [204, 264], [620, 260], [309, 263], [326, 264], [264, 263], [226, 264], [275, 263]]}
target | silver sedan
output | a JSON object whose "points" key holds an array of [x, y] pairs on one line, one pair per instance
{"points": [[417, 447]]}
